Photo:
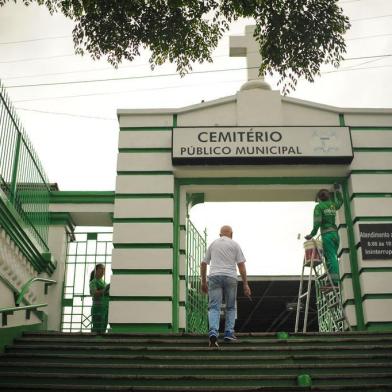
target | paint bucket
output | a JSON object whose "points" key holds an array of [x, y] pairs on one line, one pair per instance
{"points": [[313, 250], [304, 380], [282, 335]]}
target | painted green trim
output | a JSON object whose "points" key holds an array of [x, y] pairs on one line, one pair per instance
{"points": [[67, 302], [8, 334], [377, 296], [144, 129], [195, 198], [260, 180], [142, 220], [372, 218], [140, 328], [349, 302], [176, 256], [370, 195], [174, 120], [376, 269], [61, 219], [82, 197], [139, 298], [92, 236], [372, 149], [141, 271], [347, 275], [353, 258], [342, 251], [144, 196], [142, 246], [144, 173], [341, 120], [144, 149], [371, 128], [379, 326], [375, 171]]}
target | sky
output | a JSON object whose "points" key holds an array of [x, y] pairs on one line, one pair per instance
{"points": [[75, 131]]}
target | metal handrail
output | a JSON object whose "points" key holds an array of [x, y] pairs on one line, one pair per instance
{"points": [[5, 312], [26, 307], [26, 287]]}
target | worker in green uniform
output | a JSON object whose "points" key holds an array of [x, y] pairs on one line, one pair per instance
{"points": [[324, 218], [99, 290]]}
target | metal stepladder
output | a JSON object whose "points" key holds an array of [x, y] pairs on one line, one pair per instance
{"points": [[330, 312]]}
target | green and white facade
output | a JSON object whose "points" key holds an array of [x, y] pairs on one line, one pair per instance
{"points": [[153, 196]]}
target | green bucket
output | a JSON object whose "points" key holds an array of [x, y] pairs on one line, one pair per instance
{"points": [[282, 335], [304, 380]]}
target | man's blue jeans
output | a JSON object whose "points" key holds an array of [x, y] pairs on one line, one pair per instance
{"points": [[218, 286]]}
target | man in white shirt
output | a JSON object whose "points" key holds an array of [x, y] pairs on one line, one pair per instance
{"points": [[223, 256]]}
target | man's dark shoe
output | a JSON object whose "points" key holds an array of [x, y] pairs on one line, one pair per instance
{"points": [[213, 341], [229, 337]]}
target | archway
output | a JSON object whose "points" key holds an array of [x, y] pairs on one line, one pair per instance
{"points": [[280, 291]]}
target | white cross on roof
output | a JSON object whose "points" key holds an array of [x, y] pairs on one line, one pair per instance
{"points": [[246, 46]]}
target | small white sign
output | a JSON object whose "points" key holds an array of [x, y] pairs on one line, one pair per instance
{"points": [[244, 145]]}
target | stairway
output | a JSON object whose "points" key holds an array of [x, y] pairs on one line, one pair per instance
{"points": [[180, 362]]}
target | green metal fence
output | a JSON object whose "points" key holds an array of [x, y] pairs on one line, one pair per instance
{"points": [[196, 302], [24, 185], [85, 250]]}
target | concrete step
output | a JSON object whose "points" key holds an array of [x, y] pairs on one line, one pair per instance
{"points": [[184, 369], [199, 350], [66, 387], [226, 359], [184, 362], [200, 341], [267, 335], [284, 380]]}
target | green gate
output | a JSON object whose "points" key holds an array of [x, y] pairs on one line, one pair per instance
{"points": [[85, 250], [196, 302]]}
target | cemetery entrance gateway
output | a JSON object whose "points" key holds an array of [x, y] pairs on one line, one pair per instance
{"points": [[165, 154], [272, 189]]}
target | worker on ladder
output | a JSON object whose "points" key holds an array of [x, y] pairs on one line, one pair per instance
{"points": [[324, 217]]}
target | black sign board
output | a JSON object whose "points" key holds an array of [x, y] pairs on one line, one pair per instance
{"points": [[376, 241]]}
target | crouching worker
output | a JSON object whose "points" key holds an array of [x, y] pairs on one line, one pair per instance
{"points": [[224, 256], [99, 290], [324, 217]]}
